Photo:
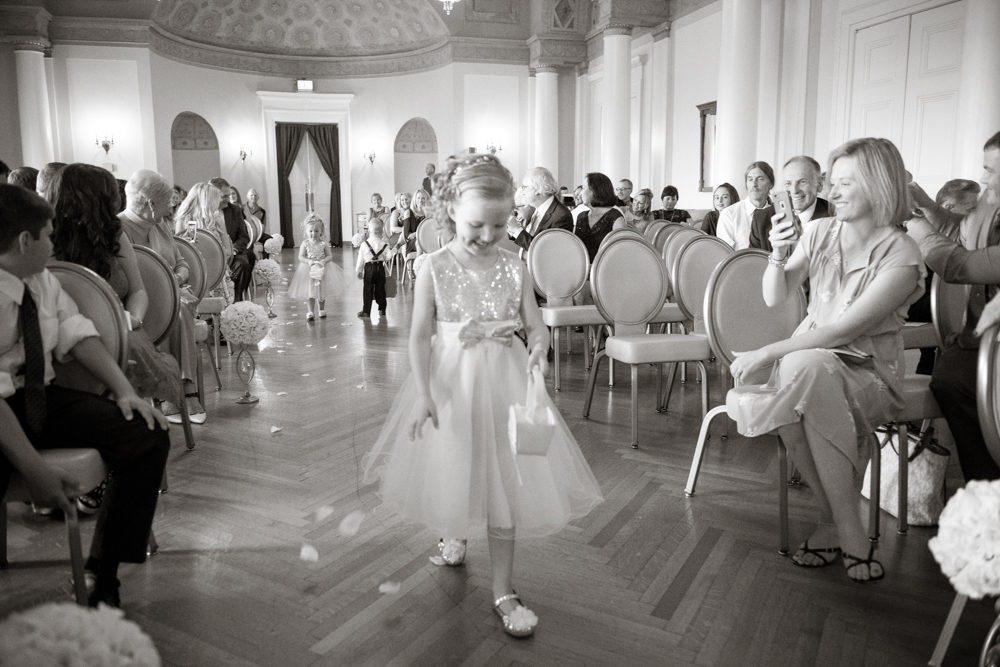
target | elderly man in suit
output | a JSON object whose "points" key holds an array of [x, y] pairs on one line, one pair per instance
{"points": [[243, 259], [539, 190], [974, 261], [801, 175]]}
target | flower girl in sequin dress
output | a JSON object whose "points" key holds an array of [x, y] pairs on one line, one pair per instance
{"points": [[313, 280], [444, 456]]}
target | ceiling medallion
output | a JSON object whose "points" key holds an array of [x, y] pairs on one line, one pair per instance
{"points": [[448, 5]]}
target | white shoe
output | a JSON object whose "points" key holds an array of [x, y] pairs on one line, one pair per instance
{"points": [[322, 314], [309, 315]]}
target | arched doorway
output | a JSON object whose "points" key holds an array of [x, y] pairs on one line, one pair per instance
{"points": [[194, 149], [415, 146]]}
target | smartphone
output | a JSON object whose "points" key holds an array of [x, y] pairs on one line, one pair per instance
{"points": [[783, 204]]}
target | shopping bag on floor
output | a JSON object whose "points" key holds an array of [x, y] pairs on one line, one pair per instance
{"points": [[531, 426], [925, 487]]}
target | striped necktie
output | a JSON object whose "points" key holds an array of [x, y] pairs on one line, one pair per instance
{"points": [[34, 365]]}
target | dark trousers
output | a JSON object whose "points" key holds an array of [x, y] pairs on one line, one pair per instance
{"points": [[374, 285], [953, 384], [135, 455], [241, 266], [264, 238]]}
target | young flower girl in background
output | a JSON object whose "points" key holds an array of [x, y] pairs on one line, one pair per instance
{"points": [[457, 473], [312, 280]]}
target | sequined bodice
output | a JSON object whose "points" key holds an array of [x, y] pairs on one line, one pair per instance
{"points": [[315, 251], [461, 294]]}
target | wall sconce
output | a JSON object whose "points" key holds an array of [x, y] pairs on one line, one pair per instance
{"points": [[244, 153], [493, 148], [370, 157], [106, 144], [448, 5]]}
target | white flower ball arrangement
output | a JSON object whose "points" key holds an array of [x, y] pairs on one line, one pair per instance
{"points": [[967, 545], [273, 245], [357, 240], [267, 270], [68, 634], [244, 323]]}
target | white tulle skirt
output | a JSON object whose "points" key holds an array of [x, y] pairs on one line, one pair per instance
{"points": [[461, 477]]}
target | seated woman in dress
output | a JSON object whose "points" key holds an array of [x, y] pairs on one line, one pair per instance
{"points": [[87, 231], [724, 195], [399, 219], [638, 216], [146, 223], [419, 200], [592, 226], [669, 212], [840, 375], [201, 207]]}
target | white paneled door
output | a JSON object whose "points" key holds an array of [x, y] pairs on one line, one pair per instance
{"points": [[905, 88]]}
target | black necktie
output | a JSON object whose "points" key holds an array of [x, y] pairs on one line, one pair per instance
{"points": [[34, 365]]}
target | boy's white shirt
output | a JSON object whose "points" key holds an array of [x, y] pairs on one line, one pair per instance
{"points": [[366, 255]]}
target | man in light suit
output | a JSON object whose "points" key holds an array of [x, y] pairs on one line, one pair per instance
{"points": [[975, 261], [539, 190], [801, 175], [734, 220]]}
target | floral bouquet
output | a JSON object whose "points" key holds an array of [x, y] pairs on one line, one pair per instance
{"points": [[267, 270], [357, 240], [244, 323], [274, 244], [68, 634], [967, 545]]}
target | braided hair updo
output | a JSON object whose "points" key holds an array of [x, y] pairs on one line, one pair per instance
{"points": [[480, 172]]}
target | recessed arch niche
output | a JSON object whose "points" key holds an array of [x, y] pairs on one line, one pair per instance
{"points": [[415, 146], [194, 149]]}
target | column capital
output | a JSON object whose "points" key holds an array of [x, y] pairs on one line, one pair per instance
{"points": [[26, 43], [25, 25], [546, 69], [556, 50], [661, 31], [618, 29]]}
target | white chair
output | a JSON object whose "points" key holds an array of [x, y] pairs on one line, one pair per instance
{"points": [[254, 230], [216, 263], [653, 228], [198, 285], [162, 315], [629, 285], [661, 234], [99, 303]]}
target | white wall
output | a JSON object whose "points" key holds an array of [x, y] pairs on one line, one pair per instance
{"points": [[194, 166], [409, 175], [10, 137]]}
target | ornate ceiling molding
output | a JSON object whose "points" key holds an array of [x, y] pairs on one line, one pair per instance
{"points": [[557, 50], [25, 27], [484, 50], [492, 11], [76, 30]]}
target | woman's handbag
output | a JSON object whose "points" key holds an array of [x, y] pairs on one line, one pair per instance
{"points": [[531, 426], [925, 488]]}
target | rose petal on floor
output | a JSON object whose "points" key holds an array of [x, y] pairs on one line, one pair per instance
{"points": [[437, 560], [332, 380], [281, 393], [389, 587], [275, 429], [309, 553], [305, 375], [351, 524], [323, 512]]}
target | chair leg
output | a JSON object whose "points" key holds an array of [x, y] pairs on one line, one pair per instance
{"points": [[659, 386], [704, 388], [569, 341], [152, 548], [904, 460], [699, 449], [557, 353], [635, 406], [586, 348], [215, 334], [164, 483], [782, 499], [876, 488], [670, 386], [3, 533], [592, 381], [950, 623], [76, 557], [201, 376]]}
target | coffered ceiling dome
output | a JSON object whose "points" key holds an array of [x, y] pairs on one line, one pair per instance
{"points": [[328, 28]]}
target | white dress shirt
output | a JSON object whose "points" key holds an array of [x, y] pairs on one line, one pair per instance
{"points": [[806, 215], [734, 224], [61, 324]]}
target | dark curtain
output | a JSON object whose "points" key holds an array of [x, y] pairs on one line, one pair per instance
{"points": [[287, 139], [327, 145]]}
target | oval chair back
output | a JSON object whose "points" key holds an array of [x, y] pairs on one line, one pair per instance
{"points": [[214, 257], [736, 317], [948, 305], [618, 233], [665, 232], [427, 236], [196, 267], [558, 265], [164, 295], [653, 228], [629, 284], [673, 244], [987, 375], [97, 302], [253, 230], [696, 260]]}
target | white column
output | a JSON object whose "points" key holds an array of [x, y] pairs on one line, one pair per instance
{"points": [[547, 119], [33, 105], [53, 115], [979, 103], [616, 131], [739, 76]]}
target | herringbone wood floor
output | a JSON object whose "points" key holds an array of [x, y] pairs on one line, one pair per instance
{"points": [[649, 578]]}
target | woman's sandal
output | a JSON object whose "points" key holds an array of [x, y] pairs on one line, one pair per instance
{"points": [[805, 549], [858, 562], [90, 503], [519, 623], [195, 417]]}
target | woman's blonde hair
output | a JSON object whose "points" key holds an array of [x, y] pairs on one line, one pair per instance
{"points": [[881, 177], [200, 205], [426, 199], [480, 172]]}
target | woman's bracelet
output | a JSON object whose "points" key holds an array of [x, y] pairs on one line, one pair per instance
{"points": [[779, 263]]}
